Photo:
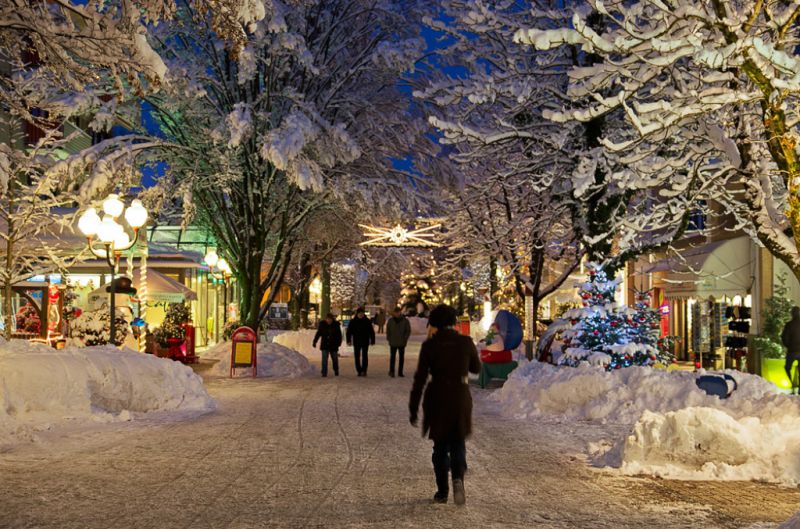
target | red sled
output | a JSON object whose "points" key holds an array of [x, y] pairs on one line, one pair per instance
{"points": [[495, 357]]}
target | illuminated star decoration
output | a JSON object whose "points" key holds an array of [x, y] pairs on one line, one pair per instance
{"points": [[399, 236]]}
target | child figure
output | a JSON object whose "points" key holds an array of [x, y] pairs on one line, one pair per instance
{"points": [[494, 340], [495, 351]]}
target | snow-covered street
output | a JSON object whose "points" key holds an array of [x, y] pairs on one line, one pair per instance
{"points": [[339, 452]]}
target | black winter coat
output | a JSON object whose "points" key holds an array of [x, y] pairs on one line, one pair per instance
{"points": [[447, 406], [398, 330], [791, 338], [329, 336], [360, 331]]}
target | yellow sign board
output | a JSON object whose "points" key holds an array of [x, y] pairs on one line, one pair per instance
{"points": [[243, 355]]}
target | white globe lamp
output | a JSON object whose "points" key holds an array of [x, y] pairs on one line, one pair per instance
{"points": [[212, 258], [136, 214], [113, 206], [89, 222], [108, 230]]}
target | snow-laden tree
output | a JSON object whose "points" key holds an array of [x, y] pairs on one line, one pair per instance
{"points": [[708, 91], [497, 221], [491, 98], [31, 226], [72, 46], [309, 111]]}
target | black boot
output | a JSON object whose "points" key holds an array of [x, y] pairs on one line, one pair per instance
{"points": [[459, 497], [440, 497]]}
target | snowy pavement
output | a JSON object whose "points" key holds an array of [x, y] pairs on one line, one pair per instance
{"points": [[338, 452]]}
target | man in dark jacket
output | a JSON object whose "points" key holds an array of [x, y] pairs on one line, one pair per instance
{"points": [[361, 334], [398, 330], [447, 357], [329, 334], [791, 339]]}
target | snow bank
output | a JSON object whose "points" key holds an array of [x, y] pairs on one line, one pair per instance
{"points": [[677, 430], [300, 341], [274, 360], [41, 387], [709, 443], [791, 523]]}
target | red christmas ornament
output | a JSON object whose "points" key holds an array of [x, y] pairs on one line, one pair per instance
{"points": [[595, 332], [573, 322], [614, 323]]}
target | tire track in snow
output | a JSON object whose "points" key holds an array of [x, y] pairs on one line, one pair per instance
{"points": [[200, 518]]}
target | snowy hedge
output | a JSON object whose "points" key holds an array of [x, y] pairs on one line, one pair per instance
{"points": [[675, 429], [41, 387]]}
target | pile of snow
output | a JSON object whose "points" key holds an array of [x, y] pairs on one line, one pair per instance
{"points": [[300, 341], [419, 325], [791, 523], [274, 360], [676, 429], [41, 387]]}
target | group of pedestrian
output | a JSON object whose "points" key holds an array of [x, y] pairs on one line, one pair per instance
{"points": [[441, 381], [360, 334]]}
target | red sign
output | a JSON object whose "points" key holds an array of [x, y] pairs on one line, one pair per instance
{"points": [[243, 349]]}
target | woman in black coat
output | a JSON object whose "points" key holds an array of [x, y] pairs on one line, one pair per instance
{"points": [[447, 357]]}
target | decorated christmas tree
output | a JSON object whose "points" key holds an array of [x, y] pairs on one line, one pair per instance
{"points": [[417, 286], [604, 332], [171, 328]]}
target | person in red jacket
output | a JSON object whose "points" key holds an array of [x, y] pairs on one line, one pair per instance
{"points": [[447, 357]]}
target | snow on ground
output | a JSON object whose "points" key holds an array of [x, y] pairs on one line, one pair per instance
{"points": [[791, 523], [41, 387], [274, 360], [675, 429]]}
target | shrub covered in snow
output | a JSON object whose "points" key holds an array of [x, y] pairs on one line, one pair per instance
{"points": [[93, 328], [41, 386]]}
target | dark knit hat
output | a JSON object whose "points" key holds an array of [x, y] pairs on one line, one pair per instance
{"points": [[442, 316]]}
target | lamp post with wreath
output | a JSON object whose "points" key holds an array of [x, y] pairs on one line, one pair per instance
{"points": [[113, 238], [220, 270]]}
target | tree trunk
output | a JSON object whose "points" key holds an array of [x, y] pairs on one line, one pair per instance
{"points": [[493, 280], [325, 295], [8, 290], [295, 308], [249, 276]]}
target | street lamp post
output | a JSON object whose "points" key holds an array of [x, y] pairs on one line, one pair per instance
{"points": [[214, 261], [112, 235]]}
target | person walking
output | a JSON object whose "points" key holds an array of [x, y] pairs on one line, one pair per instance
{"points": [[447, 357], [791, 339], [361, 334], [398, 330], [380, 320], [329, 334]]}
